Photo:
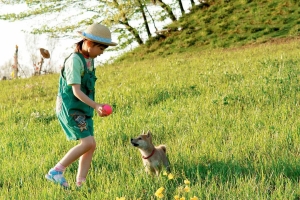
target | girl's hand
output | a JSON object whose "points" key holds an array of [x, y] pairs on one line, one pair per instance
{"points": [[99, 110]]}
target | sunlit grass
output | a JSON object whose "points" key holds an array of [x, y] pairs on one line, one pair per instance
{"points": [[229, 119], [224, 24]]}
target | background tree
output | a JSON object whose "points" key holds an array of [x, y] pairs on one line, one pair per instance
{"points": [[5, 70], [152, 18], [142, 10], [166, 8], [192, 3], [32, 49], [51, 46], [181, 7], [117, 13]]}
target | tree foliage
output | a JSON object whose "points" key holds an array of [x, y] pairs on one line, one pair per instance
{"points": [[117, 14], [166, 8]]}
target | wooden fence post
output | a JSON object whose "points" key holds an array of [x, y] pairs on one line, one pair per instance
{"points": [[14, 73]]}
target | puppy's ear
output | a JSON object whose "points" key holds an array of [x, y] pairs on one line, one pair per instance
{"points": [[149, 133]]}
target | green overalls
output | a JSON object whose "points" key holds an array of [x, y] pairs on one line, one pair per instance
{"points": [[75, 116]]}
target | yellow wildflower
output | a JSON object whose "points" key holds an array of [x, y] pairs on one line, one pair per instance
{"points": [[159, 192], [176, 197], [170, 176], [182, 198], [165, 173], [194, 198], [121, 198], [187, 189], [187, 182]]}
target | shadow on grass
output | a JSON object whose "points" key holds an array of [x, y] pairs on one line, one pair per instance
{"points": [[174, 93], [211, 171]]}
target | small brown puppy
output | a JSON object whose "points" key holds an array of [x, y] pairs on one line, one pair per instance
{"points": [[154, 158]]}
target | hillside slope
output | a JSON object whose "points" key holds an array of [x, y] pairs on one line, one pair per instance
{"points": [[223, 24], [230, 120]]}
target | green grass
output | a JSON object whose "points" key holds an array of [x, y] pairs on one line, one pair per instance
{"points": [[222, 98], [225, 23], [228, 117]]}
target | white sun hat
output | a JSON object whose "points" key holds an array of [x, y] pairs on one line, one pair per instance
{"points": [[98, 33]]}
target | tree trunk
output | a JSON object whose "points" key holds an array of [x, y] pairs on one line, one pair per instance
{"points": [[181, 7], [133, 31], [145, 18], [168, 9], [193, 3], [153, 21], [124, 21], [40, 64], [15, 66]]}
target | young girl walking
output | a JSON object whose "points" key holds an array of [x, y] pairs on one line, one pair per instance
{"points": [[75, 103]]}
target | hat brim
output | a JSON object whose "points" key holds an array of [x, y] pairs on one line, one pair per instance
{"points": [[99, 42]]}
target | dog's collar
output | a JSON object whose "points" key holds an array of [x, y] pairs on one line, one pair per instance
{"points": [[149, 155]]}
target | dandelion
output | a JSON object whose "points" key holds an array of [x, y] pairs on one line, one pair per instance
{"points": [[170, 176], [165, 173], [187, 182], [176, 197], [160, 195], [187, 189], [121, 198], [194, 198], [159, 192], [182, 198]]}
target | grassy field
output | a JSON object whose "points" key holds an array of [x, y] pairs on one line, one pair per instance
{"points": [[225, 23], [229, 118]]}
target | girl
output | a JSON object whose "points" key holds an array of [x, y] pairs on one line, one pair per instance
{"points": [[75, 102]]}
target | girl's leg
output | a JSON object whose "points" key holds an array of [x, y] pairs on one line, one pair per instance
{"points": [[85, 164], [86, 145]]}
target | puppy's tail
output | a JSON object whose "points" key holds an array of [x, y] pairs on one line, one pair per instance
{"points": [[163, 147]]}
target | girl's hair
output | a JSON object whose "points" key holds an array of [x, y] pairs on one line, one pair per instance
{"points": [[78, 46]]}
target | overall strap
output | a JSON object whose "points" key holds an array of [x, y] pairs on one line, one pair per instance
{"points": [[63, 67], [82, 59]]}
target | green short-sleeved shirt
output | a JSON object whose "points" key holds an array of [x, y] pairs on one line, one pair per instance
{"points": [[74, 69]]}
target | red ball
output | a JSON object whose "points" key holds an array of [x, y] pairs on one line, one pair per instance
{"points": [[107, 109]]}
